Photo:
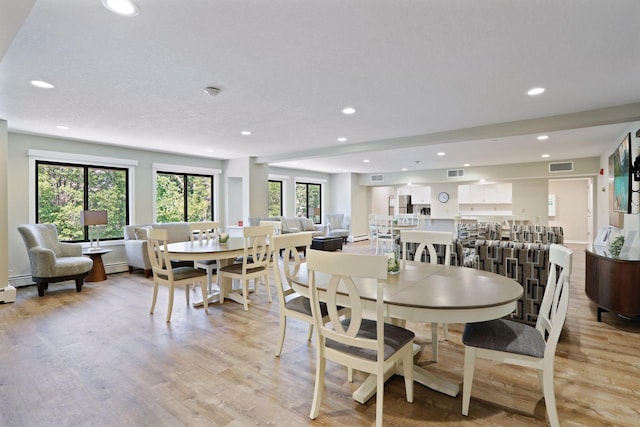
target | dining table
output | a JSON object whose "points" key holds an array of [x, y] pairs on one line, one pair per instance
{"points": [[424, 292], [211, 249]]}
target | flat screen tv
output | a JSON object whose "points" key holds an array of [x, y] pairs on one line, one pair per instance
{"points": [[620, 182]]}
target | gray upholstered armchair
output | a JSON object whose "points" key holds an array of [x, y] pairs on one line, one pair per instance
{"points": [[51, 260], [337, 226]]}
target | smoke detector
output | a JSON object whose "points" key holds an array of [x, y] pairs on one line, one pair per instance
{"points": [[213, 91]]}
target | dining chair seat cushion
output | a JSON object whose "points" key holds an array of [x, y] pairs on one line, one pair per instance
{"points": [[395, 338], [182, 273], [505, 335], [302, 304], [237, 269], [207, 262]]}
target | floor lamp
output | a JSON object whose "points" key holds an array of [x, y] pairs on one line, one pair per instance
{"points": [[91, 219]]}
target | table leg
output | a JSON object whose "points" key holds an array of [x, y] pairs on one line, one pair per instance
{"points": [[420, 375], [97, 272], [231, 293]]}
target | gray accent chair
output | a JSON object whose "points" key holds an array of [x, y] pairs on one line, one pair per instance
{"points": [[337, 226], [51, 260]]}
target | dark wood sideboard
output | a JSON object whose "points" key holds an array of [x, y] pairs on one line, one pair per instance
{"points": [[613, 283]]}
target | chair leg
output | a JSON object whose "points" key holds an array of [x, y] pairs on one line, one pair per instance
{"points": [[407, 370], [379, 398], [187, 289], [283, 330], [205, 299], [319, 387], [245, 294], [170, 307], [445, 332], [310, 333], [550, 397], [434, 342], [155, 297], [469, 366]]}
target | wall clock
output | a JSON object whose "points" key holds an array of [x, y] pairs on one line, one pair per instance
{"points": [[443, 197]]}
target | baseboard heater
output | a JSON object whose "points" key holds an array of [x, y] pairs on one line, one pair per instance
{"points": [[358, 237]]}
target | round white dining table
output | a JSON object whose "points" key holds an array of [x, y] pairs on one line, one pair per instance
{"points": [[211, 250], [423, 292]]}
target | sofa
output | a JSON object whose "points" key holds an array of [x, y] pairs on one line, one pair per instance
{"points": [[293, 224], [135, 243], [526, 263]]}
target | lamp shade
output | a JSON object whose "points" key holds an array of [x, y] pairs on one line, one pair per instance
{"points": [[93, 218]]}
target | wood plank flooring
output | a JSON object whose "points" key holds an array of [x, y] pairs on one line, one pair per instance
{"points": [[97, 358]]}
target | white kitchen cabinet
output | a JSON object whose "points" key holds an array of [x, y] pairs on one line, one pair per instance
{"points": [[464, 194], [421, 195]]}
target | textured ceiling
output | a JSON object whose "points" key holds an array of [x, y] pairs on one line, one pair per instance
{"points": [[424, 76]]}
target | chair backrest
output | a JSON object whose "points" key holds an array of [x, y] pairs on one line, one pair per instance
{"points": [[555, 303], [372, 226], [342, 268], [291, 260], [159, 259], [335, 221], [384, 226], [44, 235], [204, 230], [427, 240], [257, 252], [277, 226]]}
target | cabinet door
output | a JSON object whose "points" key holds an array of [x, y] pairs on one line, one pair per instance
{"points": [[490, 193], [464, 194], [504, 193]]}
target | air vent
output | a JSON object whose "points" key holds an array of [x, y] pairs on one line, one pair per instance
{"points": [[455, 173], [376, 178], [561, 167]]}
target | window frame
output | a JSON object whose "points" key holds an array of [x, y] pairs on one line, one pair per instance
{"points": [[188, 170], [73, 159], [307, 183]]}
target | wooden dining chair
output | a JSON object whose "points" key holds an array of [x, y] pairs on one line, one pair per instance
{"points": [[384, 232], [255, 261], [508, 341], [357, 342], [202, 232], [426, 240], [172, 277]]}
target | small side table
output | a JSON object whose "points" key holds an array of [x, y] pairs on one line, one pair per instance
{"points": [[97, 273]]}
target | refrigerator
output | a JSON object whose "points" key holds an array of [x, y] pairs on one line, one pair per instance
{"points": [[404, 204]]}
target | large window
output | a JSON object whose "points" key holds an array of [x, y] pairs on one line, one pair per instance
{"points": [[64, 190], [184, 197], [308, 201], [275, 198]]}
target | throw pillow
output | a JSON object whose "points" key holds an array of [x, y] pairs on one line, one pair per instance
{"points": [[307, 224], [141, 233]]}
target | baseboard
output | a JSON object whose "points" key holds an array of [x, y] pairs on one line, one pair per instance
{"points": [[358, 238]]}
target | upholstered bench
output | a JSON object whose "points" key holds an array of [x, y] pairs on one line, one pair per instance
{"points": [[326, 243]]}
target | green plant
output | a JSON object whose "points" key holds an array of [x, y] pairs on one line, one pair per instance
{"points": [[616, 246]]}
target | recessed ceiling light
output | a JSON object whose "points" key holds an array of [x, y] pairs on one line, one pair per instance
{"points": [[63, 127], [42, 84], [348, 110], [535, 91], [544, 156], [482, 180], [408, 183], [366, 160], [404, 169], [543, 137], [209, 150], [441, 153], [245, 132], [466, 165], [121, 7], [342, 139]]}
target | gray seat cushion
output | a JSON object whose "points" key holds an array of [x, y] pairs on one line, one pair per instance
{"points": [[395, 338], [302, 305], [181, 273], [505, 335]]}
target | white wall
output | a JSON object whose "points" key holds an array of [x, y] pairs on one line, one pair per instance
{"points": [[571, 208]]}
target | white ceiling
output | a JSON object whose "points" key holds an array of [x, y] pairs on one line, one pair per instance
{"points": [[424, 76]]}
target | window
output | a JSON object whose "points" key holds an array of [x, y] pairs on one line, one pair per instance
{"points": [[64, 190], [184, 197], [275, 198], [308, 201]]}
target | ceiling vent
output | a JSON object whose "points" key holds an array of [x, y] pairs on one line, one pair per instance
{"points": [[561, 167], [376, 178], [455, 173]]}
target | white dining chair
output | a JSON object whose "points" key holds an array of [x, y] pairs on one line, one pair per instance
{"points": [[357, 342], [425, 240], [205, 231], [172, 277], [384, 233], [255, 262], [515, 343], [373, 233]]}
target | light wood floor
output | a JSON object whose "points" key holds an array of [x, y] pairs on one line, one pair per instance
{"points": [[97, 358]]}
